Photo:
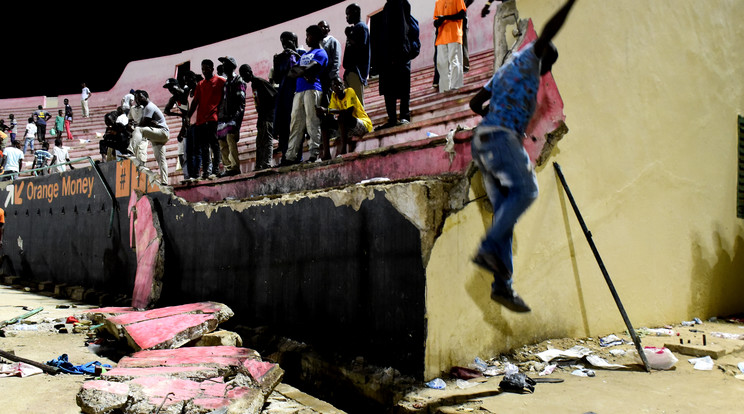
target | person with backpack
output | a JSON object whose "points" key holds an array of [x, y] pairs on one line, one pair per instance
{"points": [[448, 19], [395, 43]]}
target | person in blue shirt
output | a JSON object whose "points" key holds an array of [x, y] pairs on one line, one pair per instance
{"points": [[42, 157], [497, 150], [307, 98]]}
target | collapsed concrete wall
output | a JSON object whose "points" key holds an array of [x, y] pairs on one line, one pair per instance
{"points": [[342, 269]]}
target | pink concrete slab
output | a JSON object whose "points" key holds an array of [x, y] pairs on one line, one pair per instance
{"points": [[148, 241], [102, 396], [548, 116], [127, 362], [110, 310], [169, 332], [201, 307], [162, 386], [200, 351], [210, 404], [258, 369], [181, 372], [107, 386], [266, 374]]}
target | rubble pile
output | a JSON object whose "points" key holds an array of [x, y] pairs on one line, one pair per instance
{"points": [[164, 376]]}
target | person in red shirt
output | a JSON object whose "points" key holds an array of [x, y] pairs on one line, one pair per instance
{"points": [[206, 102], [2, 225]]}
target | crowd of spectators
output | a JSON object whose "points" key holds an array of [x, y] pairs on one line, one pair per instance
{"points": [[14, 149], [303, 98]]}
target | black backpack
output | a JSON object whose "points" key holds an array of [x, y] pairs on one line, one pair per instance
{"points": [[413, 46]]}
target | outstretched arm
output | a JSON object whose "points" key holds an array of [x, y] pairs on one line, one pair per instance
{"points": [[476, 103], [552, 27]]}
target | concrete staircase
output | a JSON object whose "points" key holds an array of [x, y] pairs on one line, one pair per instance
{"points": [[432, 113]]}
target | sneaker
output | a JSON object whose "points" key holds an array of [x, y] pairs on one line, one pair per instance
{"points": [[385, 126], [287, 163], [506, 296]]}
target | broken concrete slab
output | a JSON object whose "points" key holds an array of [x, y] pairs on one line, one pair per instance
{"points": [[101, 397], [184, 380], [712, 350], [219, 338], [99, 315], [168, 332], [146, 395], [114, 323], [267, 375], [144, 228], [226, 359], [188, 372]]}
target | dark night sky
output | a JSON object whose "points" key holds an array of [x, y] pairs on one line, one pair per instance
{"points": [[94, 46]]}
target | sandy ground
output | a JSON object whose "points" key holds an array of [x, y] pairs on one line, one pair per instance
{"points": [[680, 390], [55, 394], [41, 393]]}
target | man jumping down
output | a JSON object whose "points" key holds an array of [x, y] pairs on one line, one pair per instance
{"points": [[497, 149]]}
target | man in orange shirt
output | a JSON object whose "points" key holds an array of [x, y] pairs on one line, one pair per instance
{"points": [[448, 19], [2, 225]]}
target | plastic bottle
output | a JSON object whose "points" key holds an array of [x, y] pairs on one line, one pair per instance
{"points": [[661, 332]]}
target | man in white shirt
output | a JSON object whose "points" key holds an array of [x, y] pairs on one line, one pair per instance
{"points": [[333, 49], [84, 100], [13, 160], [60, 155], [127, 101], [152, 127]]}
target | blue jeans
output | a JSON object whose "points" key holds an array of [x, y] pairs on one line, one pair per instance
{"points": [[510, 183], [193, 154], [206, 138], [28, 143]]}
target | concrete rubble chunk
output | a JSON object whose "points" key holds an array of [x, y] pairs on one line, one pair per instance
{"points": [[147, 235], [219, 338], [190, 380], [267, 375], [169, 332], [117, 323], [99, 315], [101, 397], [187, 372]]}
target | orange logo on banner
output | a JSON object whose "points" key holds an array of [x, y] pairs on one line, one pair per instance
{"points": [[128, 178], [17, 191]]}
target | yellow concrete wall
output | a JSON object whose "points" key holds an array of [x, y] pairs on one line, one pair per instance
{"points": [[652, 90]]}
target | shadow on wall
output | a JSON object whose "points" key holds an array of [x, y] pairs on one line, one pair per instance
{"points": [[717, 278], [568, 215], [478, 284]]}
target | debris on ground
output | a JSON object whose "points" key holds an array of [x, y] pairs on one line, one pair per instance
{"points": [[580, 359]]}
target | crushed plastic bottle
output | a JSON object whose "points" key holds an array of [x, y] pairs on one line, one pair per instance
{"points": [[463, 385], [437, 384], [24, 327], [660, 332], [479, 364]]}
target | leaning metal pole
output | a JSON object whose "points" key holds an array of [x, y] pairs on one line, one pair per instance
{"points": [[606, 275]]}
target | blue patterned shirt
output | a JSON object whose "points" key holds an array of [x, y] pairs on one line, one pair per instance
{"points": [[514, 91]]}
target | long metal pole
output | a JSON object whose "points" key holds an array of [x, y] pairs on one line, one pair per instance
{"points": [[606, 275]]}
